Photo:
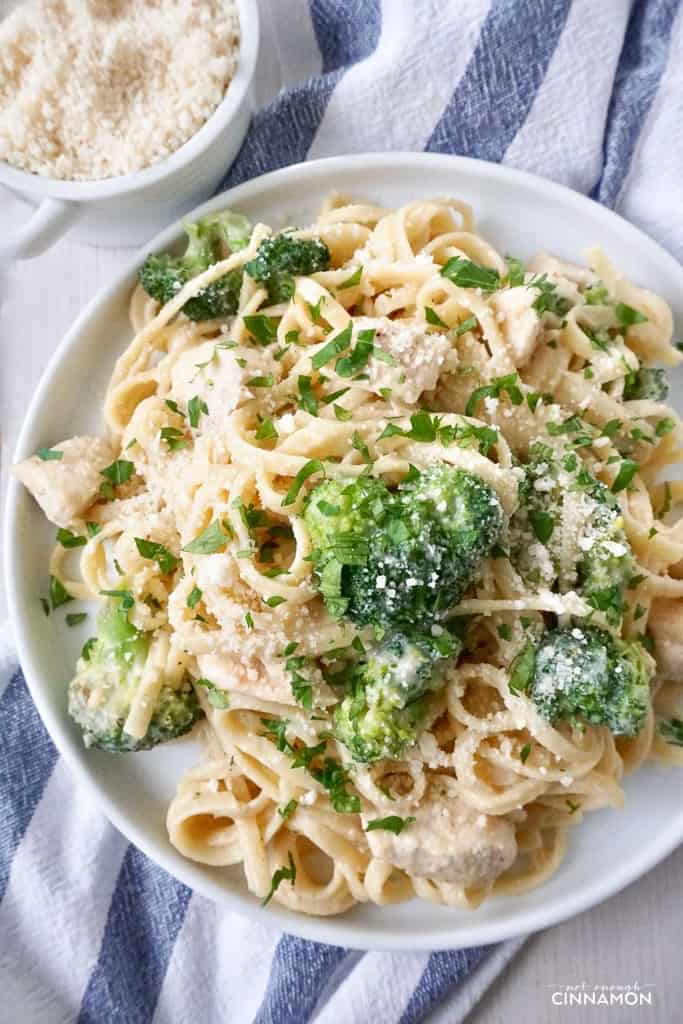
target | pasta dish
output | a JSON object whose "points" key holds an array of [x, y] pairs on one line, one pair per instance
{"points": [[385, 517]]}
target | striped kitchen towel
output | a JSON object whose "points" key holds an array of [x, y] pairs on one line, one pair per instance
{"points": [[585, 93]]}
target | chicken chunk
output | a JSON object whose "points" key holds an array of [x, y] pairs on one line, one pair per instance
{"points": [[219, 377], [666, 626], [417, 356], [520, 324], [66, 487], [448, 841]]}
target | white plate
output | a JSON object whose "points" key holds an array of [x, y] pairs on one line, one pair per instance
{"points": [[520, 214]]}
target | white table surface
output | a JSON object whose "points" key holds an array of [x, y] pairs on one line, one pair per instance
{"points": [[634, 937]]}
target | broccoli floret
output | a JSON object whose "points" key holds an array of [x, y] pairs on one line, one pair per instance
{"points": [[340, 516], [282, 258], [107, 677], [588, 674], [578, 521], [381, 715], [648, 382], [209, 240], [400, 560], [439, 527]]}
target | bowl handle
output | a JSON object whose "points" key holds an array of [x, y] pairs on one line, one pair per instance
{"points": [[47, 223]]}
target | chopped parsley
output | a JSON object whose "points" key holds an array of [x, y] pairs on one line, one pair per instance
{"points": [[392, 823], [216, 697], [611, 428], [195, 407], [334, 347], [194, 597], [627, 315], [498, 385], [627, 470], [49, 454], [266, 431], [595, 296], [350, 282], [466, 274], [75, 618], [280, 876], [118, 472], [275, 600], [328, 399], [210, 540], [265, 381], [334, 778], [522, 669], [307, 470], [315, 310], [307, 399], [666, 504], [70, 540], [302, 690], [288, 810], [516, 271], [433, 318], [276, 729], [426, 429], [59, 595], [465, 326], [174, 438], [93, 529], [157, 553], [125, 596], [87, 648], [357, 360], [543, 524], [664, 427], [548, 300], [524, 753], [361, 447], [263, 328]]}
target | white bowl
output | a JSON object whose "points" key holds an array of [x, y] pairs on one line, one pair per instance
{"points": [[130, 208], [521, 214]]}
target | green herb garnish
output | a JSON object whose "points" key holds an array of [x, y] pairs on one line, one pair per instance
{"points": [[263, 328], [392, 823], [157, 553], [216, 697], [210, 540], [307, 470], [465, 274], [280, 876], [70, 540], [59, 595]]}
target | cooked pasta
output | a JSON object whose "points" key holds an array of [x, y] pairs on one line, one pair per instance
{"points": [[416, 348]]}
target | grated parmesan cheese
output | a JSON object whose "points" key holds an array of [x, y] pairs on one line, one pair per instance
{"points": [[91, 89]]}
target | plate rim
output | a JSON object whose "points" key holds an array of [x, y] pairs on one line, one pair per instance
{"points": [[337, 930]]}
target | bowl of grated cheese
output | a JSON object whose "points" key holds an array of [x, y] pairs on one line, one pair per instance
{"points": [[117, 121]]}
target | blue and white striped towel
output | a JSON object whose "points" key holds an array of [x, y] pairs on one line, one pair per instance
{"points": [[585, 93]]}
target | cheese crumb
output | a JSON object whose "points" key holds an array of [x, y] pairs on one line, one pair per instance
{"points": [[99, 89]]}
